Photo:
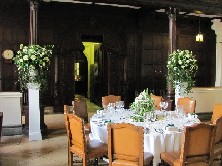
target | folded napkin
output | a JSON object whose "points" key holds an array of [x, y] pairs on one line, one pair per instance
{"points": [[171, 128], [193, 115]]}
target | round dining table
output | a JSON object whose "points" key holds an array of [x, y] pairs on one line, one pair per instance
{"points": [[162, 134]]}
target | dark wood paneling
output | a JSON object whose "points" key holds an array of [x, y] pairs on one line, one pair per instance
{"points": [[137, 39]]}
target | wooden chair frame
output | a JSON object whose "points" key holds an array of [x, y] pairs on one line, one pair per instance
{"points": [[1, 122], [110, 99], [218, 139], [189, 152], [188, 104], [78, 144], [112, 140], [217, 112], [157, 100]]}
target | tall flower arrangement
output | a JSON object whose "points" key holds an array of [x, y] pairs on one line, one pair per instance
{"points": [[182, 67], [142, 105], [33, 58]]}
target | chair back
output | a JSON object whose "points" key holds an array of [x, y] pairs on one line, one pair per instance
{"points": [[110, 99], [125, 143], [80, 108], [1, 121], [218, 138], [157, 100], [188, 104], [198, 143], [76, 134], [217, 112], [218, 123]]}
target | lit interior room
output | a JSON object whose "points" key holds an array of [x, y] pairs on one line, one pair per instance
{"points": [[91, 82]]}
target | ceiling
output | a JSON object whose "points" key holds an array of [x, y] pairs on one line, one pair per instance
{"points": [[199, 8]]}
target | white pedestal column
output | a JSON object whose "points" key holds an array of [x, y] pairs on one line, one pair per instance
{"points": [[34, 114], [217, 27]]}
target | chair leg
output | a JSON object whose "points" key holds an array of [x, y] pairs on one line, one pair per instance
{"points": [[96, 161], [70, 157], [163, 163], [151, 163], [84, 161]]}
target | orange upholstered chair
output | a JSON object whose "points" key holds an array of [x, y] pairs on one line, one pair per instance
{"points": [[218, 138], [188, 104], [66, 113], [80, 109], [86, 149], [110, 99], [157, 100], [125, 145], [217, 112], [197, 147]]}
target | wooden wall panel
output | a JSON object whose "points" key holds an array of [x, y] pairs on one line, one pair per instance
{"points": [[152, 62], [147, 57], [1, 34], [143, 41], [157, 57]]}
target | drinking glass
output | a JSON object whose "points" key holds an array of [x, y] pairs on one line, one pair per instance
{"points": [[180, 111], [163, 105], [121, 105], [112, 108], [118, 105]]}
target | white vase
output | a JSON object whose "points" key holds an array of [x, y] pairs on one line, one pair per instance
{"points": [[34, 86], [180, 90]]}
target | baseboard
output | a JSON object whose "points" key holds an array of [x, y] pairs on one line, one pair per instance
{"points": [[11, 130]]}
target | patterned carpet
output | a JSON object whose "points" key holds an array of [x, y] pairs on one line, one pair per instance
{"points": [[78, 161]]}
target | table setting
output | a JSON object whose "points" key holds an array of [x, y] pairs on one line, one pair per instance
{"points": [[162, 133], [163, 129]]}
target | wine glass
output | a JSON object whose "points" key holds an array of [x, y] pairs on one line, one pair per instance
{"points": [[118, 106], [161, 105], [121, 105], [165, 105]]}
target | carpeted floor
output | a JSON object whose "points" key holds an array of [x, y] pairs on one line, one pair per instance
{"points": [[101, 161]]}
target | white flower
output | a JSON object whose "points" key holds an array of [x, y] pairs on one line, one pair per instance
{"points": [[33, 57], [182, 67], [25, 58], [46, 59]]}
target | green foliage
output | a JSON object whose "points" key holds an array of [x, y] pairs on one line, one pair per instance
{"points": [[33, 57], [142, 105], [182, 67]]}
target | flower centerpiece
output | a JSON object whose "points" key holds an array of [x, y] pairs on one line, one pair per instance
{"points": [[32, 62], [182, 67], [142, 105]]}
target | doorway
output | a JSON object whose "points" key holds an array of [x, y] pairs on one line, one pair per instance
{"points": [[87, 70]]}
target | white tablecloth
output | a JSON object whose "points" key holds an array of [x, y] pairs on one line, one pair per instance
{"points": [[156, 138]]}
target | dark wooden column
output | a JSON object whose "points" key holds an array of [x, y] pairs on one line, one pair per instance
{"points": [[33, 29], [172, 46]]}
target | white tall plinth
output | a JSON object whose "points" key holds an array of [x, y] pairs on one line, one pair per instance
{"points": [[34, 115]]}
